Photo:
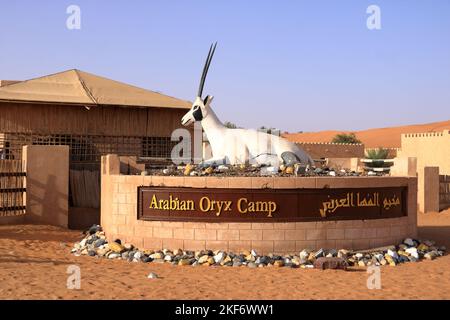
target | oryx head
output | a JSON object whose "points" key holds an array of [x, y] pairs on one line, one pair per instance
{"points": [[198, 110]]}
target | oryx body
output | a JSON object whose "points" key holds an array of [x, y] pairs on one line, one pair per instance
{"points": [[237, 146]]}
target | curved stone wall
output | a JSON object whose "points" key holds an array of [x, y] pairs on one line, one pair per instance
{"points": [[119, 217]]}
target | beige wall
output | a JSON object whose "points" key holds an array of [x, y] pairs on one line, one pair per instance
{"points": [[431, 149], [47, 184], [119, 216], [332, 150]]}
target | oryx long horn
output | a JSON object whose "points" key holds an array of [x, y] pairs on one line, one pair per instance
{"points": [[205, 69]]}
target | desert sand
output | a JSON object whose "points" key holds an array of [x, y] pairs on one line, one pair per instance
{"points": [[372, 138], [34, 261]]}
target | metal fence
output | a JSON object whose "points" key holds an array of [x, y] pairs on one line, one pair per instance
{"points": [[88, 148], [12, 188], [444, 192]]}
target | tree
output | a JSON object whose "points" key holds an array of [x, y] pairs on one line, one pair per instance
{"points": [[346, 138], [230, 125], [378, 154]]}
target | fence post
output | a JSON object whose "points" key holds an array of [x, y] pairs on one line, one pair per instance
{"points": [[429, 189]]}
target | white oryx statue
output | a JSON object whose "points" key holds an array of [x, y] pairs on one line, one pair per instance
{"points": [[238, 146]]}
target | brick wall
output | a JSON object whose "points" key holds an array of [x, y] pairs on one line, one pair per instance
{"points": [[119, 217]]}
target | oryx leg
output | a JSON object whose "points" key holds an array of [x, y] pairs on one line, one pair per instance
{"points": [[213, 161]]}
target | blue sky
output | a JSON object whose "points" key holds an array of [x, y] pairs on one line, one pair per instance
{"points": [[294, 65]]}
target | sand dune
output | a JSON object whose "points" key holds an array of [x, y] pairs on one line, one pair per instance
{"points": [[372, 138]]}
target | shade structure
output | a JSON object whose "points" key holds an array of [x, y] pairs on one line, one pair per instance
{"points": [[79, 87]]}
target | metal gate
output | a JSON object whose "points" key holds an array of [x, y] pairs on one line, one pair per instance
{"points": [[12, 188]]}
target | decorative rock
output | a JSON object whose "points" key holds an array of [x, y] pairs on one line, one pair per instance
{"points": [[390, 260], [152, 275], [113, 255], [409, 242], [319, 253], [116, 247], [223, 168], [226, 260], [253, 253], [168, 258], [209, 170], [289, 170], [203, 259], [278, 263], [237, 263], [430, 255], [423, 247], [128, 246], [184, 262], [300, 169], [392, 253], [219, 257], [157, 255], [330, 263], [251, 265], [267, 171], [99, 242], [412, 252], [188, 169], [95, 228], [289, 159]]}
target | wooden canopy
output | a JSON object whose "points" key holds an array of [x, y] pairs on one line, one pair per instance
{"points": [[78, 87]]}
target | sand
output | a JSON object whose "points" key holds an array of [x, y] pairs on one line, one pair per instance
{"points": [[372, 138], [34, 262]]}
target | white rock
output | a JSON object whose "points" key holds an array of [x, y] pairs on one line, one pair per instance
{"points": [[371, 173], [409, 242], [113, 255], [83, 242], [265, 171], [392, 253], [253, 253], [152, 275], [219, 257], [332, 173], [193, 173], [304, 255], [168, 258], [413, 252], [166, 171], [222, 167]]}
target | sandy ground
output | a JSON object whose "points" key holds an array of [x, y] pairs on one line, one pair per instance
{"points": [[34, 262], [372, 138]]}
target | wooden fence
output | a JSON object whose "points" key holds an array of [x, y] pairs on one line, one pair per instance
{"points": [[12, 188], [444, 192]]}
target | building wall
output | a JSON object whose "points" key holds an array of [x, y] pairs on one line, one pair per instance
{"points": [[431, 149], [100, 120], [332, 150]]}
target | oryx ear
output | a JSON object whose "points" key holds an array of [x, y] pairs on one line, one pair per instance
{"points": [[208, 100]]}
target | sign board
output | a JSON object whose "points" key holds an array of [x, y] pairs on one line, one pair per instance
{"points": [[269, 205]]}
